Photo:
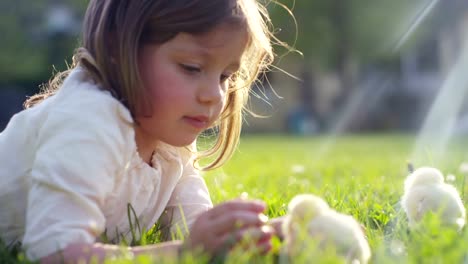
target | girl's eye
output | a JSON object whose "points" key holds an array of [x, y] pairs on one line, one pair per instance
{"points": [[190, 68]]}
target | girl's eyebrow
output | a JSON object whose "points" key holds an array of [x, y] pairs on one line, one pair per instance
{"points": [[195, 49], [204, 53]]}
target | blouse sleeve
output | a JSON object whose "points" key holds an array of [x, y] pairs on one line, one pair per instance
{"points": [[189, 199], [78, 157]]}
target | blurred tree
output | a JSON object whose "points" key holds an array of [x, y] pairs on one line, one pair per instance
{"points": [[341, 35], [332, 34], [329, 31], [25, 50], [20, 55]]}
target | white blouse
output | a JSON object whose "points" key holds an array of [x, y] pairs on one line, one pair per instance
{"points": [[70, 171]]}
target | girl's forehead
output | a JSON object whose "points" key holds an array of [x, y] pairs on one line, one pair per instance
{"points": [[225, 47], [219, 37], [222, 34]]}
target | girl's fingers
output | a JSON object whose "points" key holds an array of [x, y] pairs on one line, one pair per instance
{"points": [[253, 234], [254, 237], [224, 225], [264, 244], [277, 225], [254, 206], [236, 220]]}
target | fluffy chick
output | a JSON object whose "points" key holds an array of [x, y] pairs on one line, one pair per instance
{"points": [[425, 191], [310, 214]]}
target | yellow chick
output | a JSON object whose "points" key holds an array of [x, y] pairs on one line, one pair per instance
{"points": [[425, 191], [310, 214]]}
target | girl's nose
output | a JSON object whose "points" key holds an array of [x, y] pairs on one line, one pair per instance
{"points": [[211, 92]]}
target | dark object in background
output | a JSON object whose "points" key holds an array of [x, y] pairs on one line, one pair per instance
{"points": [[11, 102]]}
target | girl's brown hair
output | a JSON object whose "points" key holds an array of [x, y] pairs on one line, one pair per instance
{"points": [[114, 30]]}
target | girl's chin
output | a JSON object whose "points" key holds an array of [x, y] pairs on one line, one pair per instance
{"points": [[181, 143]]}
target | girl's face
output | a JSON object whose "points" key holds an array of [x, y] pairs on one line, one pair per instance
{"points": [[186, 79]]}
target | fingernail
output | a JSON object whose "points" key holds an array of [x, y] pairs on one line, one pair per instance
{"points": [[267, 229], [244, 196], [263, 218]]}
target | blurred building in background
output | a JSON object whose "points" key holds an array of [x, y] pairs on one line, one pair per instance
{"points": [[388, 94], [357, 73]]}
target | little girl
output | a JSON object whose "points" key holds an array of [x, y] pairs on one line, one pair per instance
{"points": [[114, 143]]}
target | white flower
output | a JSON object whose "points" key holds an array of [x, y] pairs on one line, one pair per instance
{"points": [[450, 178], [297, 169], [397, 247], [463, 167]]}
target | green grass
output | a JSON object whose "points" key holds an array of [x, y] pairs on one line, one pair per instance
{"points": [[358, 175]]}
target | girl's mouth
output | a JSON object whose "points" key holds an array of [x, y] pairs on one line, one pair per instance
{"points": [[199, 122]]}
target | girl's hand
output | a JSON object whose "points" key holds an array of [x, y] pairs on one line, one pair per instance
{"points": [[220, 228]]}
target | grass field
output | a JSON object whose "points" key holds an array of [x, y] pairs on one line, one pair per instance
{"points": [[360, 175]]}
